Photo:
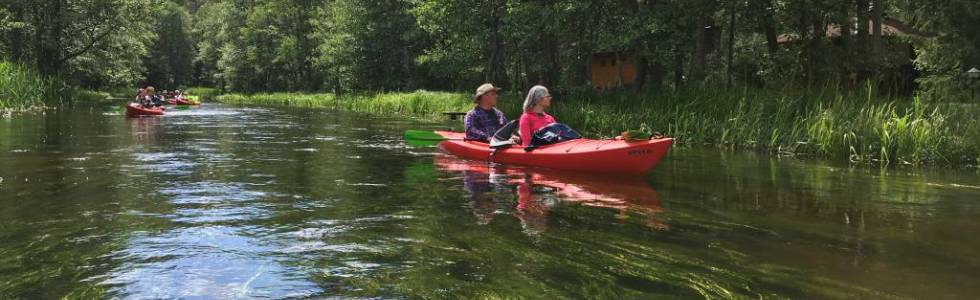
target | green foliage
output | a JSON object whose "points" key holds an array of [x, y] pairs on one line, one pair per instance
{"points": [[419, 104], [358, 46], [368, 45], [22, 88], [859, 127], [170, 60], [93, 43], [952, 48], [203, 92], [257, 46]]}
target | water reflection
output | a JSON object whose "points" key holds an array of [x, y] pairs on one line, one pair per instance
{"points": [[540, 190], [229, 202], [145, 129]]}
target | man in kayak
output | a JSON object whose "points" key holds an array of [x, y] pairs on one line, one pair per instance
{"points": [[484, 119], [538, 127]]}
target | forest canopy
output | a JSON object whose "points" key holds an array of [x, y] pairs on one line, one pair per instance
{"points": [[902, 46]]}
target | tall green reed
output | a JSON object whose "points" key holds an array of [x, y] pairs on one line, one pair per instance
{"points": [[22, 88], [856, 126]]}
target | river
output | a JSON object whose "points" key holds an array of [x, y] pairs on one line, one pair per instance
{"points": [[232, 202]]}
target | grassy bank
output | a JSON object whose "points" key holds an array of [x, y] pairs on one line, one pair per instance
{"points": [[421, 104], [859, 127], [203, 92], [22, 89]]}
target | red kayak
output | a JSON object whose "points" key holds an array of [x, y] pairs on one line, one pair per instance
{"points": [[607, 156], [135, 110]]}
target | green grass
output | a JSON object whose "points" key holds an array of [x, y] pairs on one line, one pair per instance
{"points": [[24, 89], [858, 127], [203, 92], [420, 104]]}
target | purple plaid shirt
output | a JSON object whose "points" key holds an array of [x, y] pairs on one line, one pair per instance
{"points": [[482, 124]]}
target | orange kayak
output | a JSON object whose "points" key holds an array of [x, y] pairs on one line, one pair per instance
{"points": [[606, 156], [134, 110]]}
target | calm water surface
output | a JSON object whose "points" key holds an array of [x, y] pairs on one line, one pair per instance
{"points": [[235, 203]]}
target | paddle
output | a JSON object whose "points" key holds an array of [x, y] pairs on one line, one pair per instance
{"points": [[424, 138]]}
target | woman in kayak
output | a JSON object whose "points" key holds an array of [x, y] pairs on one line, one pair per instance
{"points": [[484, 119], [154, 99], [145, 98], [538, 127]]}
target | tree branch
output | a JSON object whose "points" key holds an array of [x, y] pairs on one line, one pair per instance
{"points": [[91, 44]]}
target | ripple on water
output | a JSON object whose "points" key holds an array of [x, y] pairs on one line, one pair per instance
{"points": [[218, 202], [204, 262]]}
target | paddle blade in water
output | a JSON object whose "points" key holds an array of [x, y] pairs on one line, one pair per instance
{"points": [[114, 109], [422, 143], [422, 135]]}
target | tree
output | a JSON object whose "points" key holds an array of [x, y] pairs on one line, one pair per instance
{"points": [[369, 45], [79, 39], [171, 56]]}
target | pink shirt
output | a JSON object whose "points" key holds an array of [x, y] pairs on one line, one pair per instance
{"points": [[531, 122]]}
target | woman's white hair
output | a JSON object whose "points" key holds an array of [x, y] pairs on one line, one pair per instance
{"points": [[534, 96]]}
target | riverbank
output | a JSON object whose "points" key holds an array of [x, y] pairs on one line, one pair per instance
{"points": [[24, 89], [858, 127]]}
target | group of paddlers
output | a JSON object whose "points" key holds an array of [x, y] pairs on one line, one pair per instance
{"points": [[148, 97]]}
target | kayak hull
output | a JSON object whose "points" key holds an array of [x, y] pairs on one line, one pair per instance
{"points": [[606, 156], [134, 110]]}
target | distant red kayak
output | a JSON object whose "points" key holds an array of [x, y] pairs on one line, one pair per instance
{"points": [[607, 156], [135, 110]]}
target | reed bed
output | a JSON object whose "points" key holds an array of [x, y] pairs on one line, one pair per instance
{"points": [[857, 127], [24, 89]]}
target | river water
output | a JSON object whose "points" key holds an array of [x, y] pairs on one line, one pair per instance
{"points": [[226, 202]]}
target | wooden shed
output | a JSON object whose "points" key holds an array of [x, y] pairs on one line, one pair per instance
{"points": [[612, 70]]}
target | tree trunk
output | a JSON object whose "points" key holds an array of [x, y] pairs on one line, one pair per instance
{"points": [[17, 48], [678, 68], [769, 27], [700, 51], [496, 64], [618, 60], [845, 28], [656, 76], [861, 41], [731, 43], [876, 40], [49, 23], [585, 70]]}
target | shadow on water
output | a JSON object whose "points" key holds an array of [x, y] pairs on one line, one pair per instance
{"points": [[251, 202]]}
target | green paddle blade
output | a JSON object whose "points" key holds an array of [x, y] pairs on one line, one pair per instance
{"points": [[422, 138], [422, 143], [422, 135]]}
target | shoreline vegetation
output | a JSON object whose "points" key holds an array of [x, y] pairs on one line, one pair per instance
{"points": [[23, 89], [860, 127]]}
